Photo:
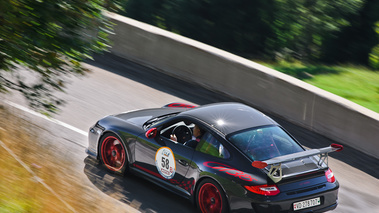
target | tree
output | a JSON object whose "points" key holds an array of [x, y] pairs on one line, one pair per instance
{"points": [[353, 43], [374, 54], [302, 25], [239, 26], [145, 11], [50, 38], [252, 28]]}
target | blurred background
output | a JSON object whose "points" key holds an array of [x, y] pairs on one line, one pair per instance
{"points": [[330, 44], [333, 45], [312, 31]]}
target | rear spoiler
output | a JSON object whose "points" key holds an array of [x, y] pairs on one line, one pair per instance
{"points": [[179, 105], [276, 163]]}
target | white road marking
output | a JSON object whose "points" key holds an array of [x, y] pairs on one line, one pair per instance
{"points": [[47, 118]]}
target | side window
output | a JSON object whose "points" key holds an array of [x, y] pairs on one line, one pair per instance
{"points": [[168, 130], [210, 145]]}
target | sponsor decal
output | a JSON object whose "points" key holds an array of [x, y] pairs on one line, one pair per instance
{"points": [[165, 162], [229, 170]]}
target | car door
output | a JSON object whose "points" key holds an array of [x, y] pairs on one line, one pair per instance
{"points": [[163, 158]]}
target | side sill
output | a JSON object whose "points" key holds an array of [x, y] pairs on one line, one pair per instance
{"points": [[159, 182], [91, 154]]}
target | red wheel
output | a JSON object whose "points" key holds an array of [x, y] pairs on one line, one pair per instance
{"points": [[113, 153], [210, 198]]}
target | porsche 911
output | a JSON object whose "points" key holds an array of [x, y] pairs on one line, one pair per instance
{"points": [[223, 157]]}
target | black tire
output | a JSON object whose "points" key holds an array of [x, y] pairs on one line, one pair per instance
{"points": [[210, 198], [113, 154]]}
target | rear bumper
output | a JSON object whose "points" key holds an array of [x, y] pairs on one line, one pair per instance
{"points": [[331, 207], [284, 203]]}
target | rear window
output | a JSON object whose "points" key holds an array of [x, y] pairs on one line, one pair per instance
{"points": [[265, 143]]}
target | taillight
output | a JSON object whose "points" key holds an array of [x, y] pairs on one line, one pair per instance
{"points": [[269, 190], [330, 176]]}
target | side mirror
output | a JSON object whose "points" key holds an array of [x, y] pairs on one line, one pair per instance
{"points": [[151, 133]]}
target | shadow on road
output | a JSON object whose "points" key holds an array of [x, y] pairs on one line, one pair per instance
{"points": [[157, 80], [134, 191], [200, 96]]}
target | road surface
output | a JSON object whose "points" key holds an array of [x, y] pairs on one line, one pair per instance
{"points": [[116, 85]]}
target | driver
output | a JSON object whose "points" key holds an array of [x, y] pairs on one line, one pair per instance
{"points": [[197, 133]]}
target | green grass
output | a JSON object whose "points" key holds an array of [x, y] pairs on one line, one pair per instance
{"points": [[357, 84]]}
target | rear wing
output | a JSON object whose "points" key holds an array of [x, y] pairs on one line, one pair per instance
{"points": [[275, 169], [179, 105]]}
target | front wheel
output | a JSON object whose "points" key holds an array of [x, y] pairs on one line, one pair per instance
{"points": [[211, 198], [113, 153]]}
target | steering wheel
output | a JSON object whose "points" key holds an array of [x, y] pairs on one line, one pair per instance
{"points": [[183, 133]]}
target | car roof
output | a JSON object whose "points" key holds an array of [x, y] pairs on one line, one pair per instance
{"points": [[229, 117]]}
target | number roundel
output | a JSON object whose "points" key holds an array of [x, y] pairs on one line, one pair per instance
{"points": [[165, 162]]}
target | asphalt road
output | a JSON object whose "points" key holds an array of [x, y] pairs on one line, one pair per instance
{"points": [[116, 85]]}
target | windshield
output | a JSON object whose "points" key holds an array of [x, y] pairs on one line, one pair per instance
{"points": [[265, 143], [155, 120]]}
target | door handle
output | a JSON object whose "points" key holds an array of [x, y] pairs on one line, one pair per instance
{"points": [[183, 162]]}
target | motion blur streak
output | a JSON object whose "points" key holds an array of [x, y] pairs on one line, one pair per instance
{"points": [[35, 177]]}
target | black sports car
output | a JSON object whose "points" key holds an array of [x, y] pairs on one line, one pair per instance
{"points": [[223, 157]]}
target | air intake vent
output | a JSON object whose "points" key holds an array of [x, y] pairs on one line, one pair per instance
{"points": [[97, 125]]}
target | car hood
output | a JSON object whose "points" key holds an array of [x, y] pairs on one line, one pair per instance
{"points": [[139, 117]]}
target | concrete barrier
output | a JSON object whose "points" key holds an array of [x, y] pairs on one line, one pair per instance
{"points": [[262, 87]]}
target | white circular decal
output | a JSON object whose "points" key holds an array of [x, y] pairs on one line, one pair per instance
{"points": [[165, 162]]}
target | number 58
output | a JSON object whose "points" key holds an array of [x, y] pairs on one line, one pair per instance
{"points": [[165, 163]]}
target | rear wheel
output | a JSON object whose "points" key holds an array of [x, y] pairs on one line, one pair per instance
{"points": [[113, 153], [211, 198]]}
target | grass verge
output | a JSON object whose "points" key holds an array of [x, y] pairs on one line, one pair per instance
{"points": [[357, 84], [37, 176], [19, 189]]}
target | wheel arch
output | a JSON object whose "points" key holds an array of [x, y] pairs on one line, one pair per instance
{"points": [[127, 147], [198, 183]]}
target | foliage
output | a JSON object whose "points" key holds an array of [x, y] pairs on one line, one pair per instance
{"points": [[302, 25], [374, 58], [353, 43], [240, 26], [50, 38], [374, 55], [306, 30]]}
